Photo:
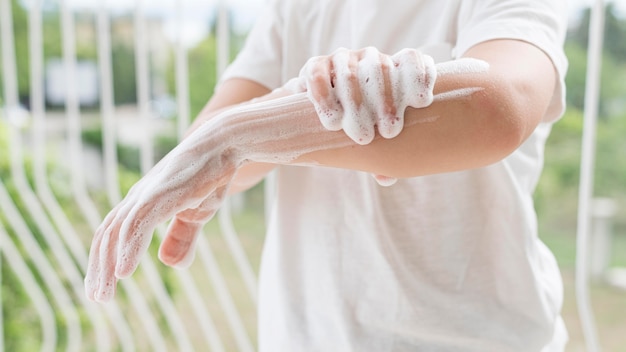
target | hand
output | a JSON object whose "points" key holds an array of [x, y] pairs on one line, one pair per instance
{"points": [[189, 184], [359, 90]]}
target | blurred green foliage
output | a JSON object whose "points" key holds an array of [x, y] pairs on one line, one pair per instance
{"points": [[556, 194], [556, 197]]}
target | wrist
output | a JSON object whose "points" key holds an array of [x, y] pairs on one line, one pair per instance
{"points": [[277, 131]]}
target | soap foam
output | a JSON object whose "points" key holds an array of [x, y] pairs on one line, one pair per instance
{"points": [[368, 91]]}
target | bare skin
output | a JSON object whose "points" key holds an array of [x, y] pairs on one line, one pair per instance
{"points": [[461, 134]]}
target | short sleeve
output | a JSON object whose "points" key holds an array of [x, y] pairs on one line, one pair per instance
{"points": [[260, 58], [542, 23]]}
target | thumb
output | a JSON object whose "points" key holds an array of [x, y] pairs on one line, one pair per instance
{"points": [[179, 245]]}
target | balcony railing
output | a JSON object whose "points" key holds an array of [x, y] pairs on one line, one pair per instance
{"points": [[45, 230], [51, 200]]}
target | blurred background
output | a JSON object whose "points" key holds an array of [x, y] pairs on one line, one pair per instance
{"points": [[93, 93]]}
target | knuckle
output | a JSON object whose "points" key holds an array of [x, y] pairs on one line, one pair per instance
{"points": [[318, 77], [385, 66], [348, 76], [340, 50]]}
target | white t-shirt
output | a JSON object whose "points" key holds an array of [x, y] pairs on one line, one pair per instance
{"points": [[447, 262]]}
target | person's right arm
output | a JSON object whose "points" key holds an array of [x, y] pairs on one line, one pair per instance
{"points": [[232, 92]]}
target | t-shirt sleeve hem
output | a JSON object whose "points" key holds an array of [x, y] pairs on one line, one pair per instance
{"points": [[556, 55]]}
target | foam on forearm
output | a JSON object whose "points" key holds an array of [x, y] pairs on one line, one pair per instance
{"points": [[275, 131], [281, 130]]}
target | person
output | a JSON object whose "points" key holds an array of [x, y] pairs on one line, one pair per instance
{"points": [[448, 257]]}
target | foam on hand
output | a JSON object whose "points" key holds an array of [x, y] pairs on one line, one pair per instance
{"points": [[365, 90]]}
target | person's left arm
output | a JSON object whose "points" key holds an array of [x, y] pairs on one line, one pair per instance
{"points": [[506, 104]]}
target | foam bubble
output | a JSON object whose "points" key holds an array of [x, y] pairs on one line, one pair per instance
{"points": [[385, 181], [462, 66], [371, 94]]}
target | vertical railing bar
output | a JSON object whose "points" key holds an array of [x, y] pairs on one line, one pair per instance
{"points": [[79, 188], [211, 266], [39, 136], [147, 319], [107, 105], [234, 245], [50, 278], [146, 162], [17, 172], [201, 311], [592, 89], [67, 232], [182, 75], [1, 299], [223, 295], [39, 121], [142, 67], [167, 306], [11, 99], [199, 308], [37, 107], [47, 230], [78, 184], [109, 149], [225, 216], [223, 37], [32, 289]]}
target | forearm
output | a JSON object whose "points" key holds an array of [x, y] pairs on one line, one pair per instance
{"points": [[231, 94], [287, 131], [472, 129], [490, 116], [454, 134]]}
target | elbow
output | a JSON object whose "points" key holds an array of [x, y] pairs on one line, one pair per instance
{"points": [[510, 116]]}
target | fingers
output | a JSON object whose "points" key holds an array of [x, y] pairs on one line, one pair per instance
{"points": [[319, 81], [333, 85], [359, 91], [351, 88], [117, 247], [124, 237], [178, 246], [100, 280], [107, 281], [376, 78], [135, 233], [417, 78], [193, 176]]}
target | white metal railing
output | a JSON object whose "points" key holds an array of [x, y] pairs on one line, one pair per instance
{"points": [[592, 90], [147, 317]]}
